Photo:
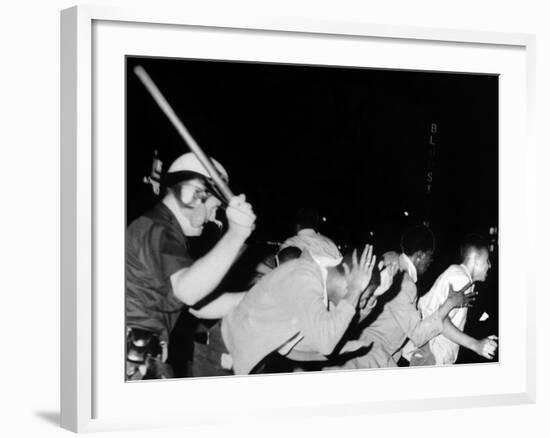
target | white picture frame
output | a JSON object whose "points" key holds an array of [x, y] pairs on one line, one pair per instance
{"points": [[86, 404]]}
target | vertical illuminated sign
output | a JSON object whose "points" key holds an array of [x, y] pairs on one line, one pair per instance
{"points": [[432, 144]]}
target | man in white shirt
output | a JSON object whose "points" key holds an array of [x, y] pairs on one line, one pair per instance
{"points": [[444, 348]]}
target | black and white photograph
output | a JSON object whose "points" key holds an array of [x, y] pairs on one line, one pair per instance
{"points": [[285, 218]]}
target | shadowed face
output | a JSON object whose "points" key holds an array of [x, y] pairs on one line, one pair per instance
{"points": [[336, 284], [422, 261]]}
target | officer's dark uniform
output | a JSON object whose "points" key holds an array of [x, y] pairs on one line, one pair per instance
{"points": [[156, 248]]}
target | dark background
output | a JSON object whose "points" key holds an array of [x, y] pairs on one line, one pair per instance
{"points": [[354, 143]]}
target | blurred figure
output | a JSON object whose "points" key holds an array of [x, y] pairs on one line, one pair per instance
{"points": [[288, 311], [307, 236], [307, 226], [287, 254]]}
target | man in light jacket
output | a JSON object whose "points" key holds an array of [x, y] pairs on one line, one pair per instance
{"points": [[288, 310]]}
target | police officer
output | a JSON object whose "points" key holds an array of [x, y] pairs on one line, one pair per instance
{"points": [[162, 279]]}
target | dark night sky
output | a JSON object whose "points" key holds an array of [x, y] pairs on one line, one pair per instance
{"points": [[351, 142]]}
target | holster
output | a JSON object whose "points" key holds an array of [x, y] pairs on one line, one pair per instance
{"points": [[144, 356]]}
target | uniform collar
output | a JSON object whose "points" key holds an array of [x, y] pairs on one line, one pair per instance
{"points": [[161, 213]]}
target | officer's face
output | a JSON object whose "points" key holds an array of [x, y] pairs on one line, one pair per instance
{"points": [[198, 204]]}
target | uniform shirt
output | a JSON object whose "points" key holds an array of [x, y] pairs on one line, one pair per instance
{"points": [[398, 320], [446, 351], [156, 248], [287, 304]]}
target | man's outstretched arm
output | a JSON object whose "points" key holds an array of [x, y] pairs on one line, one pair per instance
{"points": [[192, 284], [485, 347], [434, 324], [219, 307]]}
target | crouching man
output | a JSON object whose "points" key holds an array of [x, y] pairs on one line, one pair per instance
{"points": [[288, 310]]}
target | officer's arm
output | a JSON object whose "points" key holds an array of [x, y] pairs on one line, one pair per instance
{"points": [[194, 283], [219, 307]]}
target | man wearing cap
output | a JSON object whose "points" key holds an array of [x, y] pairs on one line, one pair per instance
{"points": [[161, 277]]}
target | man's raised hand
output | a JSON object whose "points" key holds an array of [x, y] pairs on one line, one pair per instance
{"points": [[359, 275], [460, 298]]}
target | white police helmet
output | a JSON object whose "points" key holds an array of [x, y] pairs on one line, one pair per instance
{"points": [[188, 162]]}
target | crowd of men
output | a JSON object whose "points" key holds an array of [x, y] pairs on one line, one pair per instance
{"points": [[309, 307]]}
